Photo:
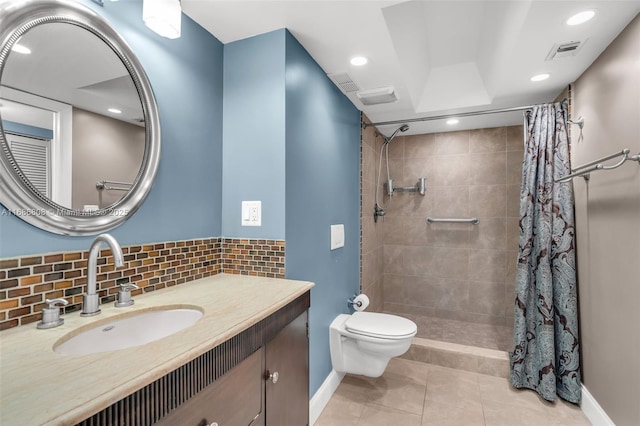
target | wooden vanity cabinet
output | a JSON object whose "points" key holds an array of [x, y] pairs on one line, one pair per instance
{"points": [[270, 387], [287, 400], [234, 399], [257, 377]]}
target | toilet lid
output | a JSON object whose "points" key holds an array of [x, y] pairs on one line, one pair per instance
{"points": [[380, 325]]}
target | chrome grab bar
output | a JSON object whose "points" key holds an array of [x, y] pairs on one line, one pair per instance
{"points": [[472, 220], [107, 185]]}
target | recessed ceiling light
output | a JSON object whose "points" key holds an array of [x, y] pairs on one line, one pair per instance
{"points": [[540, 77], [452, 121], [114, 110], [581, 18], [18, 48], [358, 61]]}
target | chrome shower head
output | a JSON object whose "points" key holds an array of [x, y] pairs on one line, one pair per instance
{"points": [[402, 129]]}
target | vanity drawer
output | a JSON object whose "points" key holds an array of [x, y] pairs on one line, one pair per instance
{"points": [[234, 399]]}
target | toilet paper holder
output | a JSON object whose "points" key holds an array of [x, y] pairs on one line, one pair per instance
{"points": [[358, 302], [351, 303]]}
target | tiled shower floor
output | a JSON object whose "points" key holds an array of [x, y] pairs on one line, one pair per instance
{"points": [[497, 337]]}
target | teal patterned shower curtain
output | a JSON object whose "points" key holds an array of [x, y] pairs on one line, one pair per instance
{"points": [[545, 356]]}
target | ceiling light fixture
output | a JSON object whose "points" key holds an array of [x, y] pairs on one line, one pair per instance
{"points": [[358, 61], [18, 48], [540, 77], [163, 17], [452, 121], [114, 111], [581, 18]]}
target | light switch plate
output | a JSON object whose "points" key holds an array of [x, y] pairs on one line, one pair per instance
{"points": [[252, 213], [337, 236]]}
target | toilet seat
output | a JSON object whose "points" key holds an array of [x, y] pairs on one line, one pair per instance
{"points": [[379, 325]]}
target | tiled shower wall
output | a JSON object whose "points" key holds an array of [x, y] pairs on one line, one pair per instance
{"points": [[372, 237], [455, 271]]}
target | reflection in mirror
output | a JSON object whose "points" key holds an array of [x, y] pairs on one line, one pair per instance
{"points": [[92, 86], [72, 116]]}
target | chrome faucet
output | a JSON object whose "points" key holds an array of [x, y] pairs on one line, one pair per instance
{"points": [[90, 300]]}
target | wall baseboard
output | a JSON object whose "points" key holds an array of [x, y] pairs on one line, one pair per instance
{"points": [[594, 412], [323, 395]]}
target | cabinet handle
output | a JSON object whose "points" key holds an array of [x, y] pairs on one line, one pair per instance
{"points": [[272, 376]]}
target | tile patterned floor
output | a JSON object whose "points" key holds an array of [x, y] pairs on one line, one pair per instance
{"points": [[412, 393]]}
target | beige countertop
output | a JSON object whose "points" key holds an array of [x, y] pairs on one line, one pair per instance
{"points": [[39, 386]]}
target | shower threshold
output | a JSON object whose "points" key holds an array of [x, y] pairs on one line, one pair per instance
{"points": [[461, 357], [479, 348]]}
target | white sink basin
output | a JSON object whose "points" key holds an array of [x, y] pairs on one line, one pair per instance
{"points": [[126, 331]]}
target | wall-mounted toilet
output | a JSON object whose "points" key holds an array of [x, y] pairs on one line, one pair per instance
{"points": [[364, 342]]}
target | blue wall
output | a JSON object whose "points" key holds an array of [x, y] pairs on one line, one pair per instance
{"points": [[254, 134], [322, 188], [185, 201], [291, 140], [26, 130]]}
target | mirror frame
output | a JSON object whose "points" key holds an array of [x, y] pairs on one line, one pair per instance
{"points": [[17, 194]]}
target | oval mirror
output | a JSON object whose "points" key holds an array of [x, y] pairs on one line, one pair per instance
{"points": [[79, 131]]}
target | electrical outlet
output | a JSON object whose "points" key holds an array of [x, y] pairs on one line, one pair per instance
{"points": [[251, 213], [254, 214]]}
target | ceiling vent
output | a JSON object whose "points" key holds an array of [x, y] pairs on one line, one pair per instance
{"points": [[344, 82], [564, 50], [383, 95]]}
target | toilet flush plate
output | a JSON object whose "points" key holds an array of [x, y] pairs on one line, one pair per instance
{"points": [[337, 236]]}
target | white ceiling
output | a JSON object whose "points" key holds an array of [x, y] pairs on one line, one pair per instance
{"points": [[70, 65], [441, 57]]}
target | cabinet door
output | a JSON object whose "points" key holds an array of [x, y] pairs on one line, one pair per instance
{"points": [[287, 400], [235, 399]]}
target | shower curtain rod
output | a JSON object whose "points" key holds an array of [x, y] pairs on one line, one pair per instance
{"points": [[442, 117]]}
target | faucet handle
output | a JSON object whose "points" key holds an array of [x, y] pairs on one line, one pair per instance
{"points": [[124, 295], [128, 287], [51, 314], [55, 302]]}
